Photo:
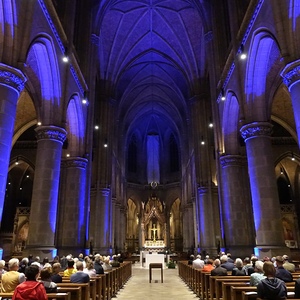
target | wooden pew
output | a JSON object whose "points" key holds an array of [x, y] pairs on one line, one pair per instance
{"points": [[75, 292], [85, 288], [233, 279], [63, 296]]}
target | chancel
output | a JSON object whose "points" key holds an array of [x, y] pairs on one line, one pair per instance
{"points": [[171, 127]]}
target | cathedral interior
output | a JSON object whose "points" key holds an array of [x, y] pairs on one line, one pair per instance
{"points": [[160, 125]]}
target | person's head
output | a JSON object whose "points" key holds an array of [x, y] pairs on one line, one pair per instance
{"points": [[89, 265], [70, 263], [79, 265], [198, 256], [45, 260], [224, 258], [238, 263], [228, 254], [259, 266], [247, 260], [2, 264], [80, 255], [45, 274], [32, 272], [279, 261], [285, 258], [25, 261], [56, 268], [269, 269], [97, 258], [209, 261], [13, 264], [37, 259], [217, 262]]}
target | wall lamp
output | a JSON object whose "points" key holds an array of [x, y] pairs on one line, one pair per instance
{"points": [[84, 99], [243, 54], [105, 143], [202, 140], [293, 158], [210, 124], [65, 57], [223, 98]]}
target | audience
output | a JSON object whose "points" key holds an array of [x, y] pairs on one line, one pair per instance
{"points": [[208, 267], [218, 270], [281, 272], [226, 264], [238, 270], [248, 266], [56, 277], [106, 265], [70, 269], [49, 285], [12, 278], [98, 265], [258, 275], [287, 265], [89, 268], [31, 288], [2, 267], [198, 263], [271, 287], [79, 276]]}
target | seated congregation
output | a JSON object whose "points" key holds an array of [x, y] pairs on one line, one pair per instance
{"points": [[266, 278], [33, 279]]}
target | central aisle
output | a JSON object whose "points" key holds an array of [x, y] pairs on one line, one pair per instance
{"points": [[139, 288]]}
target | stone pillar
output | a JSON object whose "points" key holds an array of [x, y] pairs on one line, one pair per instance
{"points": [[291, 78], [101, 219], [236, 212], [265, 201], [11, 84], [73, 208], [188, 228], [206, 221], [42, 222]]}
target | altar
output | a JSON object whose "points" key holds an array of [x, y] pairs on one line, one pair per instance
{"points": [[154, 258]]}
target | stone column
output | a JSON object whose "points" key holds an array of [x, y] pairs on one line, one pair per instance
{"points": [[71, 231], [188, 228], [101, 219], [265, 201], [291, 78], [236, 206], [206, 221], [11, 84], [42, 222]]}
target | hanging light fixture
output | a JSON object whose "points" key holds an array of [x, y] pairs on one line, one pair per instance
{"points": [[223, 98], [243, 54]]}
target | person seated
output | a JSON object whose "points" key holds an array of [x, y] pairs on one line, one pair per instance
{"points": [[49, 285], [229, 258], [208, 267], [218, 270], [106, 264], [70, 269], [226, 264], [31, 288], [23, 264], [288, 265], [198, 263], [190, 261], [89, 269], [55, 277], [248, 266], [2, 268], [258, 275], [79, 276], [271, 288], [281, 272], [12, 278], [238, 269], [98, 265]]}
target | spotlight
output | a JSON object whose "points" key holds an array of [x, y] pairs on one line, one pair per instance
{"points": [[65, 57], [202, 141], [293, 158], [84, 99], [223, 95], [105, 144], [242, 52], [39, 123], [96, 127], [17, 161], [210, 124]]}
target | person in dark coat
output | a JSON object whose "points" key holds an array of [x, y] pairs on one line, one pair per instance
{"points": [[281, 272], [218, 271], [79, 276]]}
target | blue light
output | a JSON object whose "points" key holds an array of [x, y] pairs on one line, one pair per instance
{"points": [[294, 13], [54, 253]]}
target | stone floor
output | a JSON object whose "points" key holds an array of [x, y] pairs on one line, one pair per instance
{"points": [[139, 288]]}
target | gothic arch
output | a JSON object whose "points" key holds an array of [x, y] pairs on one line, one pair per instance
{"points": [[230, 124], [263, 54], [42, 69], [76, 127]]}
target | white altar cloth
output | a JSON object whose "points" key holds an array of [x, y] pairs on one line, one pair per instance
{"points": [[155, 258]]}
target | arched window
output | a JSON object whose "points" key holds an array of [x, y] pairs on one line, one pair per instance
{"points": [[284, 191]]}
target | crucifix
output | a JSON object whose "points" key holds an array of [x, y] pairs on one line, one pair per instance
{"points": [[154, 229]]}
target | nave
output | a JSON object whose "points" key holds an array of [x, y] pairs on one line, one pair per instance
{"points": [[139, 288]]}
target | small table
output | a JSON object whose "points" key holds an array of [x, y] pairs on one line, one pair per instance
{"points": [[156, 266]]}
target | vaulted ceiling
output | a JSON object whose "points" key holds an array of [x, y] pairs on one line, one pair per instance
{"points": [[152, 58]]}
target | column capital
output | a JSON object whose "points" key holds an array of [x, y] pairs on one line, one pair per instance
{"points": [[291, 73], [12, 77], [74, 162], [256, 129], [233, 160], [51, 133]]}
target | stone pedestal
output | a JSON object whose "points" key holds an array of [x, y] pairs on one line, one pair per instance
{"points": [[11, 84], [42, 222], [265, 201]]}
